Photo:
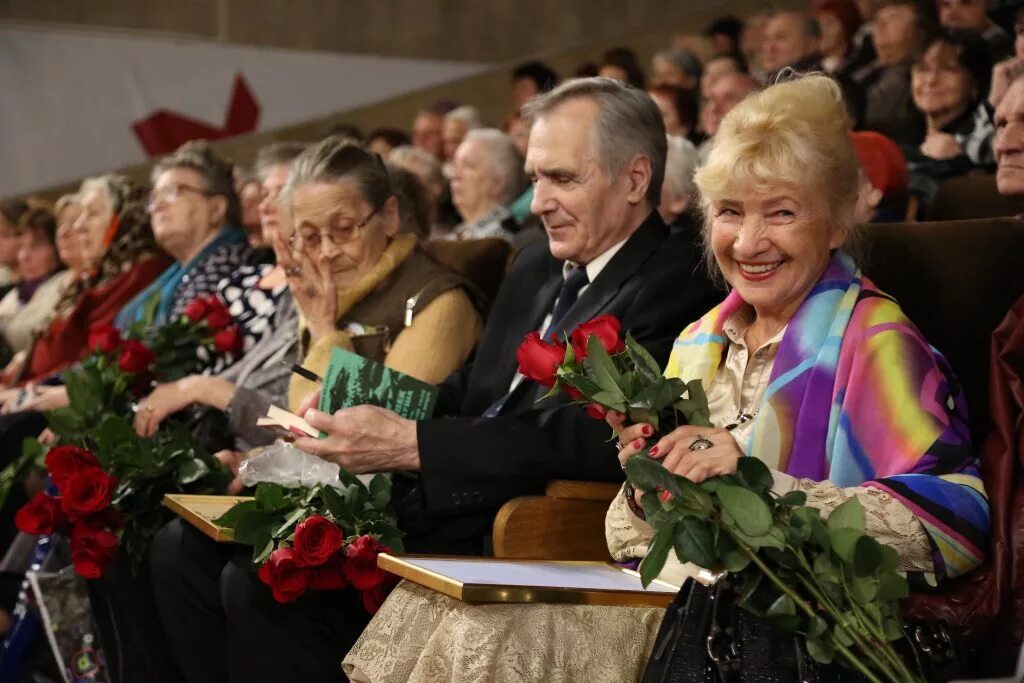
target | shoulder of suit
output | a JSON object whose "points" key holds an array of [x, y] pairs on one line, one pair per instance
{"points": [[534, 255]]}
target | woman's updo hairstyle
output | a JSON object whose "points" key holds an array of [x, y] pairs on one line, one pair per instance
{"points": [[792, 133]]}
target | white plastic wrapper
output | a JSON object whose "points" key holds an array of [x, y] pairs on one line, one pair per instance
{"points": [[284, 464]]}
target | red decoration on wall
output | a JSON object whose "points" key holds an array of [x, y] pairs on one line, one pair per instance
{"points": [[164, 131]]}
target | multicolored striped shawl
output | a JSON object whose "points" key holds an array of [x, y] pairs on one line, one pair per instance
{"points": [[858, 397]]}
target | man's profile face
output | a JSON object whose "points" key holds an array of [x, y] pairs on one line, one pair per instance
{"points": [[584, 212], [1009, 141], [785, 41]]}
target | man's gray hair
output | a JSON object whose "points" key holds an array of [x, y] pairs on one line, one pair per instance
{"points": [[629, 124], [277, 154], [502, 158], [682, 59], [680, 163], [467, 115]]}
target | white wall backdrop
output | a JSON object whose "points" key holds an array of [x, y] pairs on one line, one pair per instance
{"points": [[68, 99]]}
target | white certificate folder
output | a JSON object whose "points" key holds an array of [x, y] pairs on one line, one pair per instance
{"points": [[481, 580]]}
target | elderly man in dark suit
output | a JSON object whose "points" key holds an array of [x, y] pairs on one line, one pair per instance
{"points": [[597, 159]]}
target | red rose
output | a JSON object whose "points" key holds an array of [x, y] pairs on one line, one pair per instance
{"points": [[283, 574], [196, 309], [87, 493], [604, 327], [92, 548], [228, 340], [329, 576], [135, 357], [218, 316], [596, 411], [104, 338], [375, 597], [316, 540], [539, 360], [361, 566], [65, 462], [41, 515]]}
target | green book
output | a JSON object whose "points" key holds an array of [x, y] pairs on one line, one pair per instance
{"points": [[352, 380]]}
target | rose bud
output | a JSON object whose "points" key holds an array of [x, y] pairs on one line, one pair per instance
{"points": [[135, 357], [606, 328], [316, 540], [361, 563]]}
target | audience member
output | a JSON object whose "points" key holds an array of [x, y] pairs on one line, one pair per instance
{"points": [[457, 123], [899, 30], [25, 310], [486, 176], [428, 130], [676, 67], [11, 211], [726, 93], [725, 33], [972, 15], [678, 107], [195, 217], [529, 80], [383, 141], [341, 207], [1009, 141], [67, 209], [839, 21], [791, 39], [678, 192], [718, 66], [354, 132], [1006, 71], [247, 187], [427, 168], [750, 44], [949, 81], [518, 129], [621, 64], [883, 184], [413, 202]]}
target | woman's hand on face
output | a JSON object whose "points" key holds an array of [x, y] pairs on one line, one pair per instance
{"points": [[165, 399], [312, 284], [938, 145], [632, 438], [697, 465]]}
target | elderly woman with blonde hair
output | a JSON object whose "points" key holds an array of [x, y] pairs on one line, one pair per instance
{"points": [[807, 366]]}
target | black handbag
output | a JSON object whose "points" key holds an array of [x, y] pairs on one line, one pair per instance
{"points": [[706, 637]]}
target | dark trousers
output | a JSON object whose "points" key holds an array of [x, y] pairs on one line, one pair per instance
{"points": [[223, 624]]}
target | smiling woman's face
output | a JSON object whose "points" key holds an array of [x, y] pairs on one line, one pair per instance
{"points": [[773, 245]]}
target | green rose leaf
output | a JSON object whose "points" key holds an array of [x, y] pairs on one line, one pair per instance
{"points": [[602, 368], [864, 589], [817, 627], [751, 582], [867, 556], [647, 475], [735, 561], [270, 496], [253, 528], [794, 499], [645, 363], [695, 542], [580, 383], [746, 508], [754, 474], [783, 606], [380, 491], [230, 518], [822, 650], [892, 587], [192, 471], [657, 554], [890, 559], [844, 543], [849, 515]]}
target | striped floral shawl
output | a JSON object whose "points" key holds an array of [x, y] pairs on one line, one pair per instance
{"points": [[858, 397]]}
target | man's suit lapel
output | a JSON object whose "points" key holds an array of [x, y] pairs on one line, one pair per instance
{"points": [[595, 299]]}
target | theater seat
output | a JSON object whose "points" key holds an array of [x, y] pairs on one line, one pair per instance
{"points": [[971, 197], [482, 261], [956, 280]]}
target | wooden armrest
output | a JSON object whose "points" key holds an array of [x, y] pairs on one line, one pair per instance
{"points": [[583, 490], [543, 528]]}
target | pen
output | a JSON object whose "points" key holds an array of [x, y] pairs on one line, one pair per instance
{"points": [[303, 372]]}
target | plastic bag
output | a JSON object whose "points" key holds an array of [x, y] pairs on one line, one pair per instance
{"points": [[284, 464]]}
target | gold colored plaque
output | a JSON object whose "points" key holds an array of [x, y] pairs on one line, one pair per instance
{"points": [[200, 511]]}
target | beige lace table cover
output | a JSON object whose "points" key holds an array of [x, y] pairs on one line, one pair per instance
{"points": [[422, 636]]}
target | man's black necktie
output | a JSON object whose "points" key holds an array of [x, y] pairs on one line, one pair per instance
{"points": [[575, 281]]}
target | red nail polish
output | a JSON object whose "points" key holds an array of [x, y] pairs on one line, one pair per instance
{"points": [[665, 496], [637, 443], [653, 452], [647, 430]]}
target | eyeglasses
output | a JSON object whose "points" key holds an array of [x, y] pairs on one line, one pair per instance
{"points": [[338, 234], [171, 193]]}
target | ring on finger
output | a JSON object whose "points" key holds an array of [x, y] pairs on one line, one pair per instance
{"points": [[700, 444], [618, 445]]}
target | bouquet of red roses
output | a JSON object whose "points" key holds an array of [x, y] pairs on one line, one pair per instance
{"points": [[320, 538], [102, 392], [81, 508]]}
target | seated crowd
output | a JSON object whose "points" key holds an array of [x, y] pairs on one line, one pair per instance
{"points": [[714, 203]]}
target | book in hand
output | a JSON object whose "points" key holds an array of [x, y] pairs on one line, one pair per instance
{"points": [[352, 380], [286, 425]]}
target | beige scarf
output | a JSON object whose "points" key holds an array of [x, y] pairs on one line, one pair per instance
{"points": [[318, 355]]}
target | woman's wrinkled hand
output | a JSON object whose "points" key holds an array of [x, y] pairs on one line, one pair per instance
{"points": [[632, 437], [232, 460], [166, 399], [312, 284], [697, 465], [941, 146], [48, 398]]}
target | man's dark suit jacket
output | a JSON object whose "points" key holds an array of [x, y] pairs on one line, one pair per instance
{"points": [[471, 465]]}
